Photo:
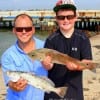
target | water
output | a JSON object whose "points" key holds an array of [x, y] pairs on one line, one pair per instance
{"points": [[8, 38]]}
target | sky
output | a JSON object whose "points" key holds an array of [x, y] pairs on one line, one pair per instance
{"points": [[45, 4]]}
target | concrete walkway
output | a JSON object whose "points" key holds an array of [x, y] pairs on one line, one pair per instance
{"points": [[2, 87], [91, 81]]}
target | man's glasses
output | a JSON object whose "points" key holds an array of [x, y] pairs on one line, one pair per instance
{"points": [[20, 29], [69, 17]]}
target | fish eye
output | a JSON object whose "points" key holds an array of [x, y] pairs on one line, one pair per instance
{"points": [[33, 55]]}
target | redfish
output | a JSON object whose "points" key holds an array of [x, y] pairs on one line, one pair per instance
{"points": [[60, 58]]}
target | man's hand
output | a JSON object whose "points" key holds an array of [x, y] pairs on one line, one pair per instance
{"points": [[19, 85]]}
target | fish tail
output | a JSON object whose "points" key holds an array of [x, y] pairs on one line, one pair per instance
{"points": [[61, 91], [96, 65], [93, 70]]}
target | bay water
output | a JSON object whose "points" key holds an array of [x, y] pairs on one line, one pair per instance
{"points": [[8, 38]]}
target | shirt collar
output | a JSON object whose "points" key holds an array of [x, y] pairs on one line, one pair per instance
{"points": [[18, 48]]}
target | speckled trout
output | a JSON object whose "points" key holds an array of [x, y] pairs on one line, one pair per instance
{"points": [[60, 58], [40, 82]]}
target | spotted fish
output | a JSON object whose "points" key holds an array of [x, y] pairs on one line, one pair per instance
{"points": [[60, 58], [40, 82]]}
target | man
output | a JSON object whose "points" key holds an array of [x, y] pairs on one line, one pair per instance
{"points": [[15, 59], [73, 42]]}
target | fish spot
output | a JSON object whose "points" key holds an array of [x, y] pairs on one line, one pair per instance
{"points": [[33, 55], [40, 58], [87, 64]]}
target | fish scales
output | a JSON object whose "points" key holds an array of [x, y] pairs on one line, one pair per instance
{"points": [[40, 82], [60, 58]]}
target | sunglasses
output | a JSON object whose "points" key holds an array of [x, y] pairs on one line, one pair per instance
{"points": [[20, 29], [69, 17]]}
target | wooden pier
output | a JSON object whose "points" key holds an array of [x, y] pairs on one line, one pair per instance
{"points": [[87, 20], [84, 25]]}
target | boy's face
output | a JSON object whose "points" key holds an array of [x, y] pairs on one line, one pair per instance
{"points": [[66, 19]]}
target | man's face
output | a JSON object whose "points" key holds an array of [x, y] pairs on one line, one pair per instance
{"points": [[66, 19], [23, 29]]}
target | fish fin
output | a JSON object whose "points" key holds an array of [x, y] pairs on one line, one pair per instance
{"points": [[61, 91], [91, 66], [93, 70], [95, 65]]}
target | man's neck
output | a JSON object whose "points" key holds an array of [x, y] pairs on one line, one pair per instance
{"points": [[27, 47]]}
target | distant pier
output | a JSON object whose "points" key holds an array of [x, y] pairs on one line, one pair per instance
{"points": [[82, 24], [87, 20]]}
